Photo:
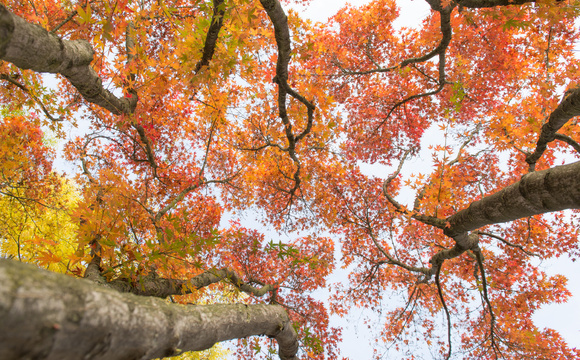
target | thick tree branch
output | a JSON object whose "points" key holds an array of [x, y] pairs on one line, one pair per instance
{"points": [[53, 316], [567, 109], [29, 46], [539, 192]]}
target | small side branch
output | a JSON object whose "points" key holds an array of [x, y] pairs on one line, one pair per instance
{"points": [[568, 140], [13, 81], [506, 242], [425, 219], [479, 257], [212, 34]]}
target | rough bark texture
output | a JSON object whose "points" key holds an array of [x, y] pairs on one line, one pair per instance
{"points": [[30, 46], [53, 316], [554, 189]]}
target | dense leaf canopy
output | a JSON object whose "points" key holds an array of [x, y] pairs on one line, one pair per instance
{"points": [[195, 115]]}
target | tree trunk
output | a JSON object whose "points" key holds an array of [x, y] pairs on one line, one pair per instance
{"points": [[46, 315]]}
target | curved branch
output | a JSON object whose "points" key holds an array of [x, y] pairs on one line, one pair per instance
{"points": [[443, 44], [425, 219], [282, 35], [447, 32], [479, 257], [568, 140], [506, 242], [440, 292]]}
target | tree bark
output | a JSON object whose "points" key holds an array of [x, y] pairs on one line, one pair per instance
{"points": [[29, 46], [52, 316], [554, 189]]}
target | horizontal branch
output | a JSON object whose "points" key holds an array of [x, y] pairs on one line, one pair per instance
{"points": [[152, 285], [53, 316]]}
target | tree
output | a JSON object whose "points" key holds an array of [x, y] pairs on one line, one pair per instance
{"points": [[233, 106]]}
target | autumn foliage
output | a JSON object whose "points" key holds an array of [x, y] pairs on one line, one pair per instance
{"points": [[211, 113]]}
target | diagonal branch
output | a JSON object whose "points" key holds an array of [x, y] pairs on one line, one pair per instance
{"points": [[567, 109], [29, 46], [506, 242], [90, 319], [425, 219], [539, 192], [212, 34], [568, 140]]}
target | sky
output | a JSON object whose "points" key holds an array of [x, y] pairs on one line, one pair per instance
{"points": [[565, 317]]}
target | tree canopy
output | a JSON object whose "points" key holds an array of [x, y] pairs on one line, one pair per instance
{"points": [[195, 113]]}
